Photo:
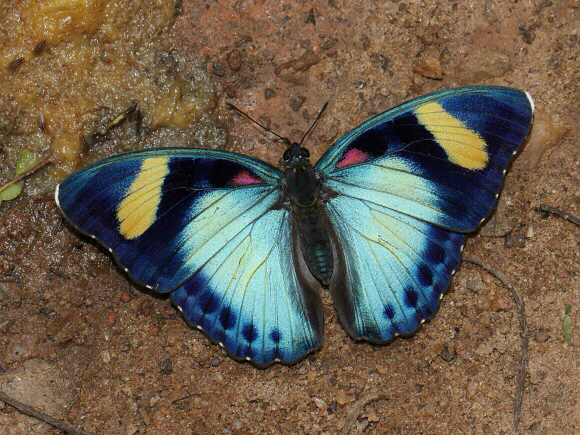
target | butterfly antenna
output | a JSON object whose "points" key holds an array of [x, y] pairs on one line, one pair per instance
{"points": [[314, 123], [241, 112]]}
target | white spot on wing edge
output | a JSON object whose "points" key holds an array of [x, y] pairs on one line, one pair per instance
{"points": [[531, 100], [56, 196]]}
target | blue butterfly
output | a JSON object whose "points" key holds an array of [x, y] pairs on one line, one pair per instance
{"points": [[243, 246]]}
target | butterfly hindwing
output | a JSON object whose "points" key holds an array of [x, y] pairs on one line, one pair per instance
{"points": [[249, 297], [396, 268], [203, 225], [406, 186]]}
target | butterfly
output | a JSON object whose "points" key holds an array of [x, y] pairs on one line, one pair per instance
{"points": [[243, 247]]}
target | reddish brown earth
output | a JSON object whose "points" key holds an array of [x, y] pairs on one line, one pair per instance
{"points": [[79, 341]]}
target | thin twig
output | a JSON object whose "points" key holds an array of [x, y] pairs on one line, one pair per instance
{"points": [[33, 412], [561, 213], [358, 407], [26, 174], [523, 334]]}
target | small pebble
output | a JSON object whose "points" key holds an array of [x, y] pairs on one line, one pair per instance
{"points": [[332, 408], [473, 284], [218, 69], [296, 103], [342, 398], [215, 361], [305, 61], [372, 416], [144, 416], [528, 34], [573, 28], [515, 240], [429, 65], [235, 60], [482, 303], [447, 355], [382, 370], [269, 93], [166, 367], [111, 318], [106, 356], [541, 335], [310, 17], [496, 64], [320, 403], [125, 297], [472, 387]]}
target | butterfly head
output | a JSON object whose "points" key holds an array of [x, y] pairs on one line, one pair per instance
{"points": [[296, 156]]}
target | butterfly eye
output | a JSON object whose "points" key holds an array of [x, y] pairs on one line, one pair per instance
{"points": [[304, 153], [287, 155]]}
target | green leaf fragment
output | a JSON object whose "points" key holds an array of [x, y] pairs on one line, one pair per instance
{"points": [[567, 334], [568, 309], [12, 192], [26, 161]]}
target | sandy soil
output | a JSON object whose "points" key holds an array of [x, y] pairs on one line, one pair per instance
{"points": [[79, 341]]}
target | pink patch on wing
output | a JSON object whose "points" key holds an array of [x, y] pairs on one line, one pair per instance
{"points": [[245, 178], [352, 157]]}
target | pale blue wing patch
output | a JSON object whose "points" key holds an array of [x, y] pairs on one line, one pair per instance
{"points": [[248, 296], [210, 222], [403, 186], [396, 268]]}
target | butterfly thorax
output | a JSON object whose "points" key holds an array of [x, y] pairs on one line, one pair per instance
{"points": [[310, 222]]}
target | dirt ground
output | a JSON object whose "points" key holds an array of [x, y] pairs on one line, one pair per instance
{"points": [[82, 343]]}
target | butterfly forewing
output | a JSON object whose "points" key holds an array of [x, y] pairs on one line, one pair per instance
{"points": [[440, 158]]}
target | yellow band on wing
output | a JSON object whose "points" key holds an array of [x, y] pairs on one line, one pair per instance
{"points": [[463, 146], [137, 212]]}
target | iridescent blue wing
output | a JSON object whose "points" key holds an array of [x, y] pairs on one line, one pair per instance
{"points": [[404, 187], [205, 226]]}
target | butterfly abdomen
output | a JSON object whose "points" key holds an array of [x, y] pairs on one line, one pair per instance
{"points": [[315, 241]]}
